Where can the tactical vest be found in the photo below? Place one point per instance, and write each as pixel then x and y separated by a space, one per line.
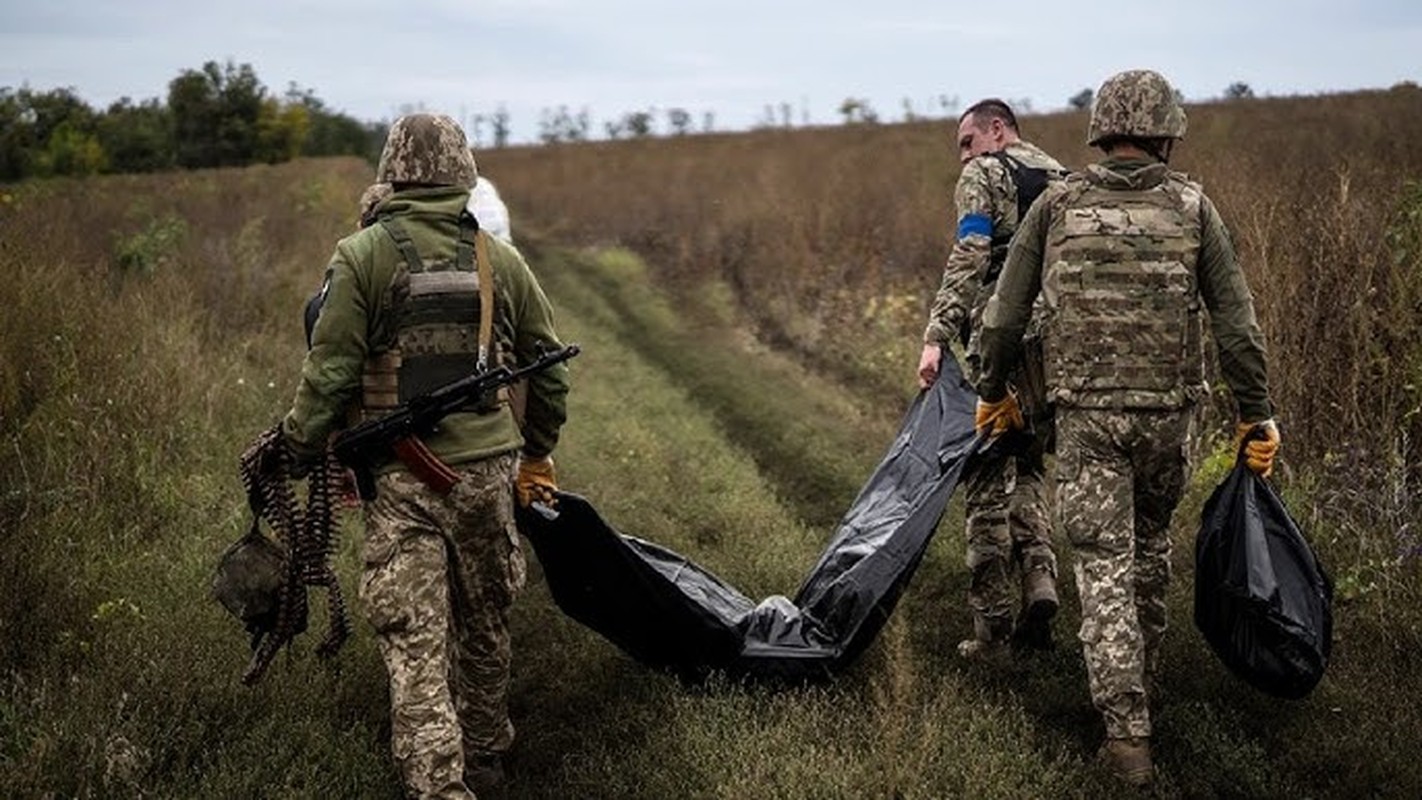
pixel 443 314
pixel 1121 289
pixel 1029 182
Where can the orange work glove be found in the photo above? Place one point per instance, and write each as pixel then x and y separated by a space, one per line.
pixel 1002 415
pixel 536 481
pixel 1259 452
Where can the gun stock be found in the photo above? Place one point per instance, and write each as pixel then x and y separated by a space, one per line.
pixel 425 465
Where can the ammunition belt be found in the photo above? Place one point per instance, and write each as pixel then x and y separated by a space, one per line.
pixel 305 533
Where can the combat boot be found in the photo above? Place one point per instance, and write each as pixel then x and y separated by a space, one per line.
pixel 980 650
pixel 1039 606
pixel 1129 760
pixel 484 775
pixel 1039 595
pixel 989 641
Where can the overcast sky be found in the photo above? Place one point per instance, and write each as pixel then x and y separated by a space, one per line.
pixel 731 57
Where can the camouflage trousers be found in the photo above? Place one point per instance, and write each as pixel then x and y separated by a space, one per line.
pixel 1119 477
pixel 1009 533
pixel 440 574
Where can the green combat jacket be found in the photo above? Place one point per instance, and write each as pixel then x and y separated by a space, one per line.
pixel 1219 280
pixel 356 322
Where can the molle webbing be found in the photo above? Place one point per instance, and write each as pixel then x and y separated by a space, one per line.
pixel 1125 327
pixel 380 383
pixel 444 321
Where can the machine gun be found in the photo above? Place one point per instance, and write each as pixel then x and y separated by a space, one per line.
pixel 398 433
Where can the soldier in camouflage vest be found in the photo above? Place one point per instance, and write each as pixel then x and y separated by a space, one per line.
pixel 417 297
pixel 1008 527
pixel 1125 255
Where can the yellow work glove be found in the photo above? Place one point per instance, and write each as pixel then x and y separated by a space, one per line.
pixel 1001 416
pixel 1258 452
pixel 536 481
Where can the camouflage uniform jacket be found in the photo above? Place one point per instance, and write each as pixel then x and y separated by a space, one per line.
pixel 356 322
pixel 1219 281
pixel 986 200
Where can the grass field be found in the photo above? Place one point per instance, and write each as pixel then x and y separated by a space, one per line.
pixel 152 329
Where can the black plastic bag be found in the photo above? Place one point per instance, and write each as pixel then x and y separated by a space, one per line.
pixel 669 613
pixel 1262 600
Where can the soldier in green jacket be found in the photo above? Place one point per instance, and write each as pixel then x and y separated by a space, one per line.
pixel 1124 256
pixel 403 305
pixel 1008 528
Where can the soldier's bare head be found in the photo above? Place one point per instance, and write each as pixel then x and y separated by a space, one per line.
pixel 987 126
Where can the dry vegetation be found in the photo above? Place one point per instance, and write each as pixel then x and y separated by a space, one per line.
pixel 833 240
pixel 738 382
pixel 822 232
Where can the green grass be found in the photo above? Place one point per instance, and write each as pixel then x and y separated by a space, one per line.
pixel 119 677
pixel 812 440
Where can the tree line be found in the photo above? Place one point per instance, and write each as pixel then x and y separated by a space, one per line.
pixel 220 115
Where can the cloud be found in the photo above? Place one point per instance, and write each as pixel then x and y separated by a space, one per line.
pixel 732 57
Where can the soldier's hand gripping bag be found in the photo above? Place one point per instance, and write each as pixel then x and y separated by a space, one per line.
pixel 1262 600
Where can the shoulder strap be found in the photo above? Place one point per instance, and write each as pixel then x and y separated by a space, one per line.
pixel 1029 182
pixel 486 295
pixel 472 247
pixel 403 241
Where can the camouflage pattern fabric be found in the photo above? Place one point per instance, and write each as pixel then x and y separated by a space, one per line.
pixel 1009 534
pixel 441 572
pixel 1122 435
pixel 1217 278
pixel 1138 103
pixel 1007 527
pixel 1119 476
pixel 984 189
pixel 427 149
pixel 1123 327
pixel 357 324
pixel 370 201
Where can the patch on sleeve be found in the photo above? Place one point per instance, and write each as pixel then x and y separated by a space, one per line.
pixel 974 224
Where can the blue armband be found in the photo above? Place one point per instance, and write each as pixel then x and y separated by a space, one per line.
pixel 971 224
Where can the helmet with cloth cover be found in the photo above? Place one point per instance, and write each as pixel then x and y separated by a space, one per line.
pixel 248 580
pixel 1138 103
pixel 428 149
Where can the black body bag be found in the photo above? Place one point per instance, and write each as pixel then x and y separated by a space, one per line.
pixel 1262 600
pixel 669 613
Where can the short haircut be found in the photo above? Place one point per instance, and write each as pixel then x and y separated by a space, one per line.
pixel 990 109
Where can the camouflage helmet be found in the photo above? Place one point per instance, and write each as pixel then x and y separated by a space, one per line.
pixel 248 580
pixel 1139 103
pixel 426 148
